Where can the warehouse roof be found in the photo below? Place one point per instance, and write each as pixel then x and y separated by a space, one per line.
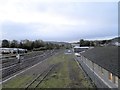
pixel 106 57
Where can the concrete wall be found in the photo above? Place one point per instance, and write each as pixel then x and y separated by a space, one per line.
pixel 94 72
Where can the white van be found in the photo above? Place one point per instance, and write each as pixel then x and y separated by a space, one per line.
pixel 77 54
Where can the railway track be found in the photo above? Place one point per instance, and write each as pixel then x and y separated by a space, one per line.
pixel 5 65
pixel 38 80
pixel 26 58
pixel 11 69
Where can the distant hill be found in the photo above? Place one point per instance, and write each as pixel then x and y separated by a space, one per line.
pixel 117 39
pixel 59 43
pixel 65 44
pixel 54 42
pixel 111 42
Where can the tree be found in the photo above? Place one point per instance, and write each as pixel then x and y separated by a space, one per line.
pixel 103 42
pixel 39 43
pixel 5 43
pixel 49 46
pixel 32 45
pixel 36 44
pixel 27 44
pixel 20 45
pixel 14 44
pixel 82 42
pixel 85 42
pixel 92 43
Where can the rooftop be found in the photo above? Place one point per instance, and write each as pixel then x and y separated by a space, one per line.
pixel 106 57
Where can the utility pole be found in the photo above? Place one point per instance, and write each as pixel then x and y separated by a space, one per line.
pixel 18 55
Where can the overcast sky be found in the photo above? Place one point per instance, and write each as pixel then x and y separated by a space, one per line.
pixel 68 20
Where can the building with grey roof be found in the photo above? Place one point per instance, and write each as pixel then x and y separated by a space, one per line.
pixel 101 65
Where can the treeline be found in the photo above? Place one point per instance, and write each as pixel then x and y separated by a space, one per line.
pixel 30 45
pixel 93 43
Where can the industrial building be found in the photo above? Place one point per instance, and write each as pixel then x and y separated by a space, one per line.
pixel 101 65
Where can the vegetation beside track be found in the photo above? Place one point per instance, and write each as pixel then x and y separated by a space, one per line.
pixel 66 75
pixel 18 82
